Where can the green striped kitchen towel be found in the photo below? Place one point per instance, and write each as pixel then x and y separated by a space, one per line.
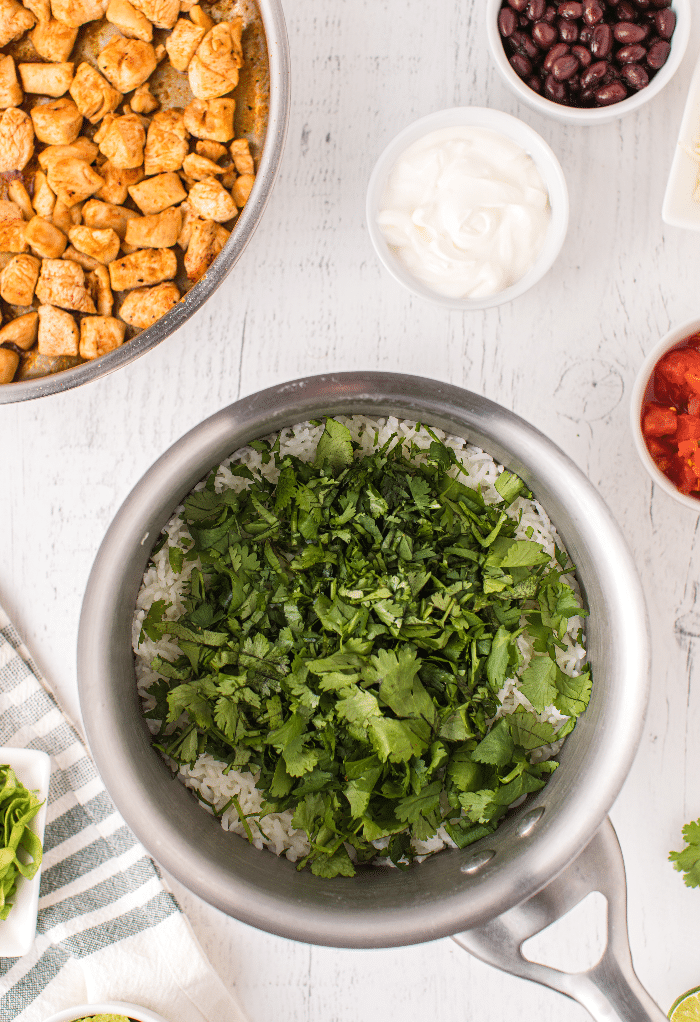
pixel 107 928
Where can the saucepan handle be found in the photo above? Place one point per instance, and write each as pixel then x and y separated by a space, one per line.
pixel 610 990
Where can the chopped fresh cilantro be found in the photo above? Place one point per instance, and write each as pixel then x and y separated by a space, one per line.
pixel 688 860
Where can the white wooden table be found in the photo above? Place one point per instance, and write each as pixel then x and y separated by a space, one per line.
pixel 309 296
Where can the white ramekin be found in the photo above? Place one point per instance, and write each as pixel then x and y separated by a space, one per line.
pixel 671 340
pixel 596 115
pixel 107 1008
pixel 508 126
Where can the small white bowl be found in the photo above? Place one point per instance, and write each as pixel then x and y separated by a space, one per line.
pixel 594 115
pixel 680 208
pixel 108 1008
pixel 671 340
pixel 510 127
pixel 17 932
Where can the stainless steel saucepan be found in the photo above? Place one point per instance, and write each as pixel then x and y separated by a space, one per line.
pixel 492 896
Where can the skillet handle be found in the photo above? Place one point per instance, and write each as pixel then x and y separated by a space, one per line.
pixel 610 991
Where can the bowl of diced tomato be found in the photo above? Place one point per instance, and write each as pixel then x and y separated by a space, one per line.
pixel 665 413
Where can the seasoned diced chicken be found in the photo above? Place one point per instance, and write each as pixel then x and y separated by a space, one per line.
pixel 45 238
pixel 141 308
pixel 21 331
pixel 48 79
pixel 142 102
pixel 16 140
pixel 123 142
pixel 78 12
pixel 15 20
pixel 198 167
pixel 53 40
pixel 186 5
pixel 73 180
pixel 213 71
pixel 58 122
pixel 166 144
pixel 12 236
pixel 211 201
pixel 64 217
pixel 58 332
pixel 143 268
pixel 127 63
pixel 161 13
pixel 9 211
pixel 18 279
pixel 100 291
pixel 100 334
pixel 242 189
pixel 82 149
pixel 10 91
pixel 130 21
pixel 9 360
pixel 211 119
pixel 213 151
pixel 102 245
pixel 62 283
pixel 41 9
pixel 157 193
pixel 188 218
pixel 18 194
pixel 182 43
pixel 158 231
pixel 87 262
pixel 240 154
pixel 93 95
pixel 201 18
pixel 117 182
pixel 105 214
pixel 206 242
pixel 44 199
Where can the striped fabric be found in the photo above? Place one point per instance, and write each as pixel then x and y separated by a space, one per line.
pixel 107 928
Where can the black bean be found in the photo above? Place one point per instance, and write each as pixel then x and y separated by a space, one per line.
pixel 507 21
pixel 657 54
pixel 568 31
pixel 635 76
pixel 665 23
pixel 606 95
pixel 556 51
pixel 564 67
pixel 628 32
pixel 583 55
pixel 521 65
pixel 592 12
pixel 571 10
pixel 554 90
pixel 544 35
pixel 630 54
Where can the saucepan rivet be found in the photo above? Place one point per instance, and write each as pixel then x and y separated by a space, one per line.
pixel 527 824
pixel 477 861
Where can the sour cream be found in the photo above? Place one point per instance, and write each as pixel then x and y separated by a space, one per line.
pixel 465 211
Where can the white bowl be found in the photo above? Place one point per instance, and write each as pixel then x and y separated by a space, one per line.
pixel 595 115
pixel 680 208
pixel 17 932
pixel 670 340
pixel 108 1008
pixel 508 126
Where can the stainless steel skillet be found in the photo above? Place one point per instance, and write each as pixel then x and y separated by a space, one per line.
pixel 545 857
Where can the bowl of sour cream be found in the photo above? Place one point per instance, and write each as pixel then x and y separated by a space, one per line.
pixel 467 207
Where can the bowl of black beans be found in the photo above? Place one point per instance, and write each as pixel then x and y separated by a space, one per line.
pixel 587 61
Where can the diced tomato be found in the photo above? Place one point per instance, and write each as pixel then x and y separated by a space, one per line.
pixel 693 342
pixel 688 428
pixel 694 405
pixel 695 464
pixel 658 421
pixel 675 364
pixel 692 379
pixel 687 447
pixel 682 475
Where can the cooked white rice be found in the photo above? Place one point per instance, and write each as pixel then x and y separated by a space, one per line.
pixel 160 582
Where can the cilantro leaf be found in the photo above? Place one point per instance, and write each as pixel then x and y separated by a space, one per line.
pixel 334 447
pixel 688 859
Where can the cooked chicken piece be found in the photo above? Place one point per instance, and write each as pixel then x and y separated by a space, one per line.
pixel 12 236
pixel 157 193
pixel 130 21
pixel 16 140
pixel 142 307
pixel 198 167
pixel 117 182
pixel 41 9
pixel 15 20
pixel 57 123
pixel 10 91
pixel 213 151
pixel 161 13
pixel 102 245
pixel 20 196
pixel 242 189
pixel 182 43
pixel 18 280
pixel 103 215
pixel 44 199
pixel 87 262
pixel 73 180
pixel 58 332
pixel 21 331
pixel 100 334
pixel 201 18
pixel 127 63
pixel 100 291
pixel 211 201
pixel 206 242
pixel 81 149
pixel 93 95
pixel 53 40
pixel 188 218
pixel 64 217
pixel 213 71
pixel 158 231
pixel 148 266
pixel 45 238
pixel 142 102
pixel 62 283
pixel 211 119
pixel 166 144
pixel 9 360
pixel 240 154
pixel 9 211
pixel 123 142
pixel 78 12
pixel 186 5
pixel 48 79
